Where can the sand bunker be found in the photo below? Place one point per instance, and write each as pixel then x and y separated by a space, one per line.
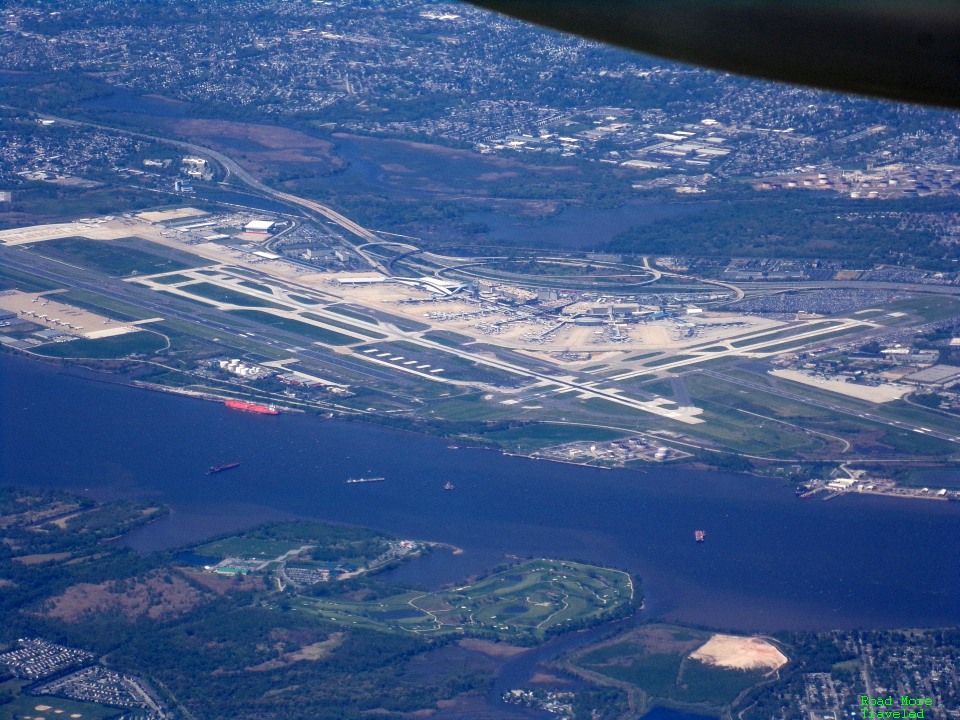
pixel 742 653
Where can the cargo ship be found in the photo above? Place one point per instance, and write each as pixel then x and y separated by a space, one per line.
pixel 353 481
pixel 221 468
pixel 699 535
pixel 252 407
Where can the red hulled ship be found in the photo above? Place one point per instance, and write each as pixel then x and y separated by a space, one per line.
pixel 251 407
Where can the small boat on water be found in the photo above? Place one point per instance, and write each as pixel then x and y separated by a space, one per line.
pixel 354 481
pixel 220 468
pixel 448 485
pixel 699 535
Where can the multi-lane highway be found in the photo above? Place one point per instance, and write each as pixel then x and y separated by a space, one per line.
pixel 364 367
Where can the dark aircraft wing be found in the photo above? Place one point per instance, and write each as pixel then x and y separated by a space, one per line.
pixel 898 49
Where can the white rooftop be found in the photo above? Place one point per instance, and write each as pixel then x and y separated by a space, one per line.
pixel 259 225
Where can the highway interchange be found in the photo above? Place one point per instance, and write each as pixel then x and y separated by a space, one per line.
pixel 361 368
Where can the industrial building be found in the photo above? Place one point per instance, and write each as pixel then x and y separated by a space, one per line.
pixel 936 376
pixel 259 227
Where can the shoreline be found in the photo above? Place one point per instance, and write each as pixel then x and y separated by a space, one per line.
pixel 118 377
pixel 810 494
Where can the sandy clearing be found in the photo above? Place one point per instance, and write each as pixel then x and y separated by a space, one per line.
pixel 742 653
pixel 57 231
pixel 319 649
pixel 110 332
pixel 880 394
pixel 316 651
pixel 62 522
pixel 158 216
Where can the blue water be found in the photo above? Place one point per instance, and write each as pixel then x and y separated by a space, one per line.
pixel 770 561
pixel 665 714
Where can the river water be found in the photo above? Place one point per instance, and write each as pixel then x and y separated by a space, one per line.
pixel 770 561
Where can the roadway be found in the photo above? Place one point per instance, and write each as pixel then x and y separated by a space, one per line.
pixel 369 238
pixel 80 279
pixel 231 167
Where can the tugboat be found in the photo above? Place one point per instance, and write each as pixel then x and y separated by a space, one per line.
pixel 699 535
pixel 220 468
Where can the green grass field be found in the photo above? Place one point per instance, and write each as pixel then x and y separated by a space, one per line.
pixel 714 685
pixel 654 659
pixel 340 310
pixel 259 548
pixel 306 300
pixel 740 432
pixel 528 601
pixel 451 366
pixel 119 346
pixel 705 387
pixel 448 338
pixel 118 258
pixel 115 309
pixel 380 316
pixel 795 344
pixel 226 295
pixel 814 418
pixel 343 325
pixel 541 435
pixel 927 308
pixel 171 279
pixel 185 298
pixel 256 286
pixel 13 279
pixel 788 333
pixel 468 407
pixel 328 337
pixel 656 674
pixel 26 706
